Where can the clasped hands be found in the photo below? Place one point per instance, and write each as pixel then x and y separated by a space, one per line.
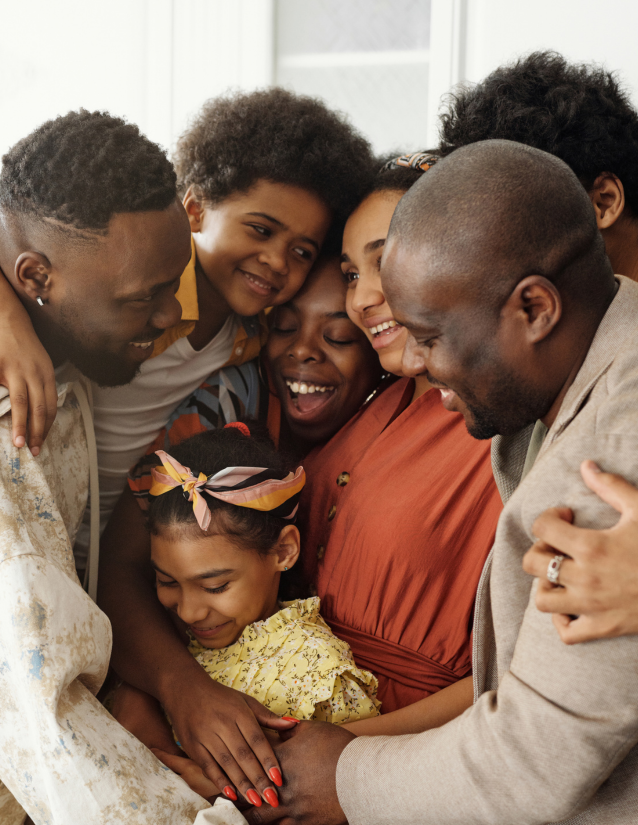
pixel 227 745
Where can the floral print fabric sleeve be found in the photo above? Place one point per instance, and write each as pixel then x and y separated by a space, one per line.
pixel 62 755
pixel 294 665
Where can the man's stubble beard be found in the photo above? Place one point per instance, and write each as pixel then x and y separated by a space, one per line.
pixel 105 368
pixel 511 406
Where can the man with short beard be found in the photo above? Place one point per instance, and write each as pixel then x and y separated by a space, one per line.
pixel 495 266
pixel 93 240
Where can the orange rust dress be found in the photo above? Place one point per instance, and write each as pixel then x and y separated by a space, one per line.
pixel 397 518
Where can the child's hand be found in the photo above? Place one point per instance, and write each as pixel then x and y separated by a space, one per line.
pixel 27 372
pixel 190 772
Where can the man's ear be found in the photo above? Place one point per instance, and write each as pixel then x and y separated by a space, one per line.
pixel 288 547
pixel 608 198
pixel 194 209
pixel 536 303
pixel 33 275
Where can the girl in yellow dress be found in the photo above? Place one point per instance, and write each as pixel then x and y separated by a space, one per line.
pixel 223 544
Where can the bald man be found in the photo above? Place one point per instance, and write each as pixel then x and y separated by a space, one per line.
pixel 496 267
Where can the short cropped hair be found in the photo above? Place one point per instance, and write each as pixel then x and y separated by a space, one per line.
pixel 580 113
pixel 274 135
pixel 83 168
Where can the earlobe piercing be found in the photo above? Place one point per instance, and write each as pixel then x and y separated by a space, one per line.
pixel 40 301
pixel 285 568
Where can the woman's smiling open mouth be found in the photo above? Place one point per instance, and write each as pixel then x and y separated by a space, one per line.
pixel 383 332
pixel 308 397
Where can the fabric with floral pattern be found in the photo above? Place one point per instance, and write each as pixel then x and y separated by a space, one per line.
pixel 294 665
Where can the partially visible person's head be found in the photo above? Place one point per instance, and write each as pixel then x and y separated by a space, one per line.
pixel 363 241
pixel 580 113
pixel 501 280
pixel 94 240
pixel 266 176
pixel 221 579
pixel 322 366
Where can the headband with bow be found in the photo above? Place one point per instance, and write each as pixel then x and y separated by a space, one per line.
pixel 257 488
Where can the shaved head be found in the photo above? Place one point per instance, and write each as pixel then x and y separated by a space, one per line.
pixel 495 265
pixel 497 211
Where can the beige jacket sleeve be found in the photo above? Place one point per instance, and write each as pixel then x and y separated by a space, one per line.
pixel 550 743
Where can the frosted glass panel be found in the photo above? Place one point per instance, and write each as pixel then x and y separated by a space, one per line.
pixel 367 58
pixel 383 102
pixel 352 25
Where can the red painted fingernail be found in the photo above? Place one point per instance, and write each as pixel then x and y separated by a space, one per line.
pixel 230 793
pixel 275 775
pixel 254 798
pixel 290 719
pixel 271 797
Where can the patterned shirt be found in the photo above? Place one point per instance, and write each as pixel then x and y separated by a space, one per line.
pixel 295 666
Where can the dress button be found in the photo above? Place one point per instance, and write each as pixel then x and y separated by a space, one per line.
pixel 333 512
pixel 312 590
pixel 320 551
pixel 239 350
pixel 343 479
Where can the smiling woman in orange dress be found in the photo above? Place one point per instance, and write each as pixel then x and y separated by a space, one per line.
pixel 400 509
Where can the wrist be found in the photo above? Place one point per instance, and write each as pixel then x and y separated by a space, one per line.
pixel 181 678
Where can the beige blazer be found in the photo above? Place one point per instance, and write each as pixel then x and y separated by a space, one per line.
pixel 552 736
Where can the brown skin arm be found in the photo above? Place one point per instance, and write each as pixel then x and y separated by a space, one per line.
pixel 142 715
pixel 432 712
pixel 218 727
pixel 26 371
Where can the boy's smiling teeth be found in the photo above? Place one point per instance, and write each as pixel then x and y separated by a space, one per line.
pixel 257 281
pixel 143 345
pixel 302 387
pixel 383 326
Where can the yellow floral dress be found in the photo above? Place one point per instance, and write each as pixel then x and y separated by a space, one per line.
pixel 295 666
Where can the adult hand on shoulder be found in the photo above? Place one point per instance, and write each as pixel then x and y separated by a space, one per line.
pixel 27 372
pixel 597 592
pixel 309 757
pixel 221 729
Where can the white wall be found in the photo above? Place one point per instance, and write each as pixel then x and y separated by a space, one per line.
pixel 488 33
pixel 151 61
pixel 155 61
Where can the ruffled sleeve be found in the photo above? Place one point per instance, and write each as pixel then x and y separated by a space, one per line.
pixel 295 666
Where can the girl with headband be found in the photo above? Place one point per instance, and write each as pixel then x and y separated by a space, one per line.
pixel 223 544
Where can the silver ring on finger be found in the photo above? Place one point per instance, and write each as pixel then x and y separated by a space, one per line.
pixel 553 568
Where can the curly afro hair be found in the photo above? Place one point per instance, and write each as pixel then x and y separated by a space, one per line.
pixel 83 168
pixel 579 113
pixel 279 136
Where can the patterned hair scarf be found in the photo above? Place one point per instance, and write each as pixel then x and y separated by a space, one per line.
pixel 257 488
pixel 420 161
